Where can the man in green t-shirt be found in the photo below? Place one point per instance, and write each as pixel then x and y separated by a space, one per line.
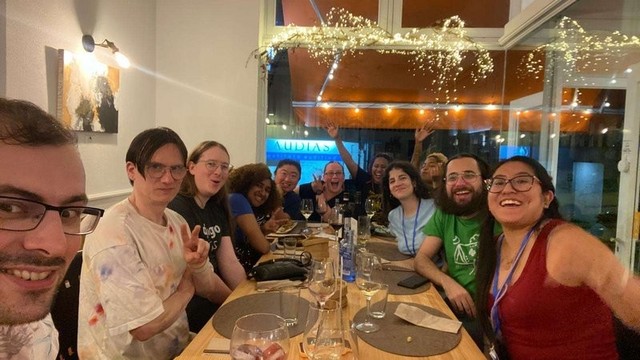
pixel 456 227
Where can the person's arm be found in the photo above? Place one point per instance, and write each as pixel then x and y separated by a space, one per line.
pixel 420 134
pixel 424 265
pixel 249 226
pixel 574 257
pixel 173 306
pixel 230 268
pixel 334 132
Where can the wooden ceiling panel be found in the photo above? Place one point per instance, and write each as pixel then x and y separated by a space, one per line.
pixel 301 13
pixel 476 14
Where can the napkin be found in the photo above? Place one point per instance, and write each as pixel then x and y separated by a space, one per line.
pixel 273 285
pixel 217 346
pixel 422 318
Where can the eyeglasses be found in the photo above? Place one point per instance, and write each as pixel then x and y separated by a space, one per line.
pixel 467 176
pixel 520 183
pixel 333 173
pixel 24 215
pixel 213 165
pixel 157 170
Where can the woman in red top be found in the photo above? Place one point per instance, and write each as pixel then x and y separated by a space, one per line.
pixel 546 288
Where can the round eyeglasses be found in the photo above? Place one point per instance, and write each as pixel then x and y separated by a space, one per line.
pixel 157 170
pixel 213 165
pixel 520 183
pixel 467 176
pixel 18 214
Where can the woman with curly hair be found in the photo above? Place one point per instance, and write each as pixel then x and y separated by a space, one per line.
pixel 203 201
pixel 256 211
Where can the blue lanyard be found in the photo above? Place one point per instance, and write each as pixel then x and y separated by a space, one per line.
pixel 415 226
pixel 499 293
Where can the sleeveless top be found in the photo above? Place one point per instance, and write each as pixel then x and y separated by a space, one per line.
pixel 542 319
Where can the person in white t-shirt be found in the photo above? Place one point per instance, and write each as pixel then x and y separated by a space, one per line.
pixel 142 265
pixel 42 208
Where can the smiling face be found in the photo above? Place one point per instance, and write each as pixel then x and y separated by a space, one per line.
pixel 517 208
pixel 462 191
pixel 333 178
pixel 157 192
pixel 209 182
pixel 259 193
pixel 33 263
pixel 377 169
pixel 401 186
pixel 287 177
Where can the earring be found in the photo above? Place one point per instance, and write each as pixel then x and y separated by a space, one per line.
pixel 546 205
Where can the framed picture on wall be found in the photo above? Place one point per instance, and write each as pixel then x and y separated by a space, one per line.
pixel 87 93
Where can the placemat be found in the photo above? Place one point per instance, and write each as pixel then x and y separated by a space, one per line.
pixel 225 317
pixel 386 250
pixel 391 278
pixel 403 338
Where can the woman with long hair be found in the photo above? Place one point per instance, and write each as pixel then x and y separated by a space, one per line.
pixel 256 208
pixel 546 288
pixel 406 199
pixel 203 201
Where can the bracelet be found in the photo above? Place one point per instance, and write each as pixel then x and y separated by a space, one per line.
pixel 201 268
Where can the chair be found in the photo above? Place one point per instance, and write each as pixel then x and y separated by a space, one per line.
pixel 627 341
pixel 65 310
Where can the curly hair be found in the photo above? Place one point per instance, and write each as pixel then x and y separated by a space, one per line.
pixel 243 178
pixel 420 189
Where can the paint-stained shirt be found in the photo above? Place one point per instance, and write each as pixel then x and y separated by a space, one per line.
pixel 35 340
pixel 130 266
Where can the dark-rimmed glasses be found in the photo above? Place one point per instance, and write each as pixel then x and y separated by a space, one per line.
pixel 467 176
pixel 18 214
pixel 157 170
pixel 520 183
pixel 213 165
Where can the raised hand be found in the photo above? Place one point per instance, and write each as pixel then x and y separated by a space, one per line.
pixel 196 250
pixel 424 131
pixel 332 130
pixel 317 184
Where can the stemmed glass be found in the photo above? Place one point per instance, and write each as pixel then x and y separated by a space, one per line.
pixel 322 280
pixel 306 208
pixel 335 220
pixel 366 265
pixel 259 335
pixel 370 207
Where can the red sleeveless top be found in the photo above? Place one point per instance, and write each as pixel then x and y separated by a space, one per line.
pixel 542 319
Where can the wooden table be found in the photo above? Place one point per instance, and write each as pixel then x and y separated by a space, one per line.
pixel 465 350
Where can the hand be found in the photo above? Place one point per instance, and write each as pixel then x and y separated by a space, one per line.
pixel 196 250
pixel 273 223
pixel 321 204
pixel 424 131
pixel 317 185
pixel 459 298
pixel 332 130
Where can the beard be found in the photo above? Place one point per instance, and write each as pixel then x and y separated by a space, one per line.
pixel 477 203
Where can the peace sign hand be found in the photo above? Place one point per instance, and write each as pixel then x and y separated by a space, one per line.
pixel 196 250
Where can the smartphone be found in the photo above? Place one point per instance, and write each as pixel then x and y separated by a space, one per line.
pixel 413 282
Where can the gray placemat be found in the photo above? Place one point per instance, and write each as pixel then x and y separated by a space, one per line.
pixel 393 334
pixel 225 317
pixel 392 278
pixel 386 250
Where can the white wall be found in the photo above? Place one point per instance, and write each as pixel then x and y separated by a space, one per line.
pixel 206 89
pixel 188 72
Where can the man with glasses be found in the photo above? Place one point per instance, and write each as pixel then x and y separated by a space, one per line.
pixel 286 178
pixel 142 265
pixel 455 226
pixel 42 219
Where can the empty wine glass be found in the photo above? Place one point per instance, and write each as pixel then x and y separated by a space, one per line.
pixel 259 336
pixel 370 206
pixel 366 263
pixel 322 280
pixel 306 208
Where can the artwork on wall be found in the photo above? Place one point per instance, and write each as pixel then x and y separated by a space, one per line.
pixel 87 93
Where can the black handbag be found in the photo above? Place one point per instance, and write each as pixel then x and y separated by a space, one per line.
pixel 279 269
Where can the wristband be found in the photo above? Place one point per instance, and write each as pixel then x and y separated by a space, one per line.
pixel 201 268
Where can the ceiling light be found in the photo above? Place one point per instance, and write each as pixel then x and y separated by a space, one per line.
pixel 388 109
pixel 330 76
pixel 604 131
pixel 284 127
pixel 574 104
pixel 607 104
pixel 628 70
pixel 552 135
pixel 613 81
pixel 356 110
pixel 267 120
pixel 319 98
pixel 491 107
pixel 326 105
pixel 335 65
pixel 89 45
pixel 421 111
pixel 522 136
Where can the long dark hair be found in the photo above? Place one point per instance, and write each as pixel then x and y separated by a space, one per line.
pixel 419 188
pixel 487 253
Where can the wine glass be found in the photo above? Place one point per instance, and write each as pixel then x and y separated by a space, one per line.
pixel 335 220
pixel 306 208
pixel 365 267
pixel 259 336
pixel 370 207
pixel 322 280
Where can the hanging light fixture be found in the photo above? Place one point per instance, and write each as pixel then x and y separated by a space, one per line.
pixel 89 45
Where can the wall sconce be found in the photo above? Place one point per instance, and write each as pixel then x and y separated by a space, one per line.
pixel 89 45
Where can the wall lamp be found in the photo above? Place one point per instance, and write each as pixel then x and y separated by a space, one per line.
pixel 89 45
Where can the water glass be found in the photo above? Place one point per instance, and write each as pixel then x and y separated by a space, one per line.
pixel 364 231
pixel 259 336
pixel 379 302
pixel 290 244
pixel 323 336
pixel 289 304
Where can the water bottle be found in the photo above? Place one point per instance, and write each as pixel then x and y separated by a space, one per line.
pixel 347 252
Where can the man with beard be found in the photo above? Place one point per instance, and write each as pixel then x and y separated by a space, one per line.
pixel 456 227
pixel 286 178
pixel 42 220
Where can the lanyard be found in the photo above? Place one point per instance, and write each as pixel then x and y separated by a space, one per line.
pixel 499 293
pixel 415 226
